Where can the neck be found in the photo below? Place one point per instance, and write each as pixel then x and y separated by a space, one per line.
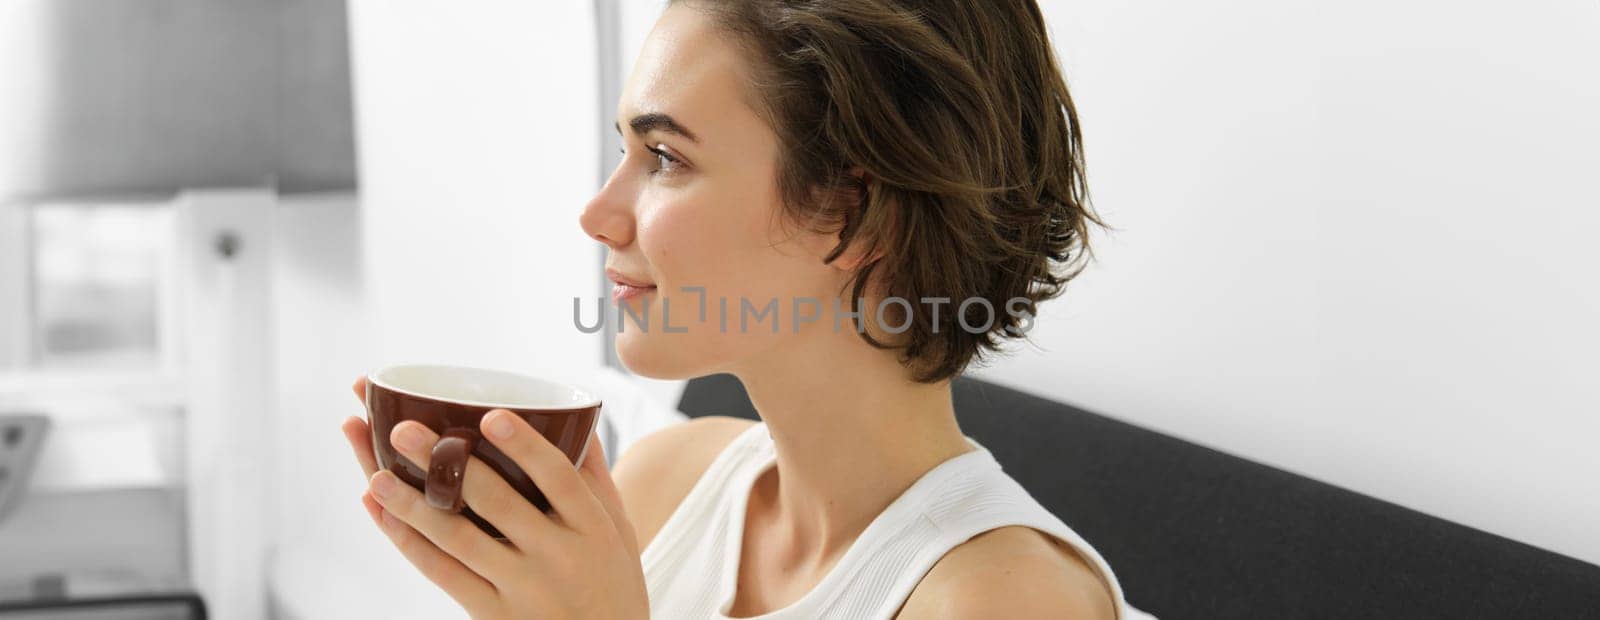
pixel 852 432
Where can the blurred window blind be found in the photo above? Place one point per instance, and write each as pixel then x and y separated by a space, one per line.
pixel 96 282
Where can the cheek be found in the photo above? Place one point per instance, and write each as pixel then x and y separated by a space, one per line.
pixel 704 241
pixel 693 241
pixel 720 242
pixel 677 238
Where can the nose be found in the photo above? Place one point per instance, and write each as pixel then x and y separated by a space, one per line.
pixel 608 218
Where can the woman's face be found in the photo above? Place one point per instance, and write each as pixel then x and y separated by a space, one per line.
pixel 695 203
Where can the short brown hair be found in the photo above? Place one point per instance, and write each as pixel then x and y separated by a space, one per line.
pixel 952 124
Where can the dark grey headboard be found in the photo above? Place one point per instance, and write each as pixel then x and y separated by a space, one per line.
pixel 1196 533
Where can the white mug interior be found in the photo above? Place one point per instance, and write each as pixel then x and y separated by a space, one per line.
pixel 481 387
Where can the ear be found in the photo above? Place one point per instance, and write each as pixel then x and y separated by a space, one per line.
pixel 855 199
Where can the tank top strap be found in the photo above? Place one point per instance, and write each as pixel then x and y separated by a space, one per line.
pixel 749 451
pixel 963 498
pixel 707 506
pixel 691 564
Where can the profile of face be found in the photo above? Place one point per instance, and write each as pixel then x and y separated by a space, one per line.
pixel 695 203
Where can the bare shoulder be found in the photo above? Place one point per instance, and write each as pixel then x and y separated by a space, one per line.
pixel 657 472
pixel 1011 572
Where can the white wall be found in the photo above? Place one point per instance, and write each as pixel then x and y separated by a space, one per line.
pixel 325 558
pixel 1355 243
pixel 477 147
pixel 323 342
pixel 227 368
pixel 476 131
pixel 26 57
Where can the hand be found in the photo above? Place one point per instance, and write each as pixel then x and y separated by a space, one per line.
pixel 581 560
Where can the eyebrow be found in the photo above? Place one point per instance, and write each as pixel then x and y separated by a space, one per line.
pixel 656 121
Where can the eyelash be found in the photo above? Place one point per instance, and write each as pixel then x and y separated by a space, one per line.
pixel 661 154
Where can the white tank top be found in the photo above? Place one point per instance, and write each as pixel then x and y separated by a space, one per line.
pixel 692 565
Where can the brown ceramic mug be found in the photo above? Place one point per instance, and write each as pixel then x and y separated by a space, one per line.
pixel 451 400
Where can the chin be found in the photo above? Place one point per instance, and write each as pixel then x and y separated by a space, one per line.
pixel 665 357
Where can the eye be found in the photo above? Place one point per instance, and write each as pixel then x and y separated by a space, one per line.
pixel 665 160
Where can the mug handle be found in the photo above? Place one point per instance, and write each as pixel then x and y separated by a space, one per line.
pixel 446 468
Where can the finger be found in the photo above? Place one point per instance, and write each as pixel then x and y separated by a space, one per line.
pixel 485 491
pixel 463 585
pixel 594 471
pixel 360 388
pixel 360 438
pixel 373 509
pixel 549 467
pixel 450 532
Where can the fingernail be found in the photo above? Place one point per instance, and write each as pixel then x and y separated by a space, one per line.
pixel 407 438
pixel 499 426
pixel 382 484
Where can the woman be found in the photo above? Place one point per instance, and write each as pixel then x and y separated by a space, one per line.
pixel 883 188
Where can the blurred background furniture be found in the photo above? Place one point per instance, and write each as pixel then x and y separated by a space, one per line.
pixel 1196 533
pixel 21 434
pixel 97 530
pixel 185 606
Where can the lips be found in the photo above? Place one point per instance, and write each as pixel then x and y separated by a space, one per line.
pixel 623 292
pixel 620 278
pixel 626 287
